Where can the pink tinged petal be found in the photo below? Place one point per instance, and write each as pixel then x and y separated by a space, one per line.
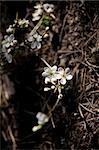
pixel 69 77
pixel 61 70
pixel 63 81
pixel 47 80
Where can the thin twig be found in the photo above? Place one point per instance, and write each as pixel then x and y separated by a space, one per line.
pixel 86 109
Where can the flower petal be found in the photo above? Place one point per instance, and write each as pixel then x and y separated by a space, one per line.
pixel 61 70
pixel 54 68
pixel 47 80
pixel 33 45
pixel 38 45
pixel 44 74
pixel 67 70
pixel 63 81
pixel 46 89
pixel 46 68
pixel 58 76
pixel 69 77
pixel 30 38
pixel 35 128
pixel 42 118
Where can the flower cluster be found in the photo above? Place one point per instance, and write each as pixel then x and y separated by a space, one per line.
pixel 22 23
pixel 42 119
pixel 55 74
pixel 35 40
pixel 48 8
pixel 7 45
pixel 57 77
pixel 18 23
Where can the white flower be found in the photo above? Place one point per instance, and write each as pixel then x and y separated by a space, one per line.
pixel 50 74
pixel 23 23
pixel 36 41
pixel 38 12
pixel 42 118
pixel 49 8
pixel 8 41
pixel 64 75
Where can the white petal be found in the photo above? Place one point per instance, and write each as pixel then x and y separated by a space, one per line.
pixel 33 45
pixel 54 68
pixel 39 38
pixel 67 70
pixel 52 87
pixel 63 81
pixel 35 18
pixel 69 77
pixel 53 79
pixel 44 74
pixel 42 118
pixel 48 7
pixel 38 45
pixel 46 89
pixel 35 128
pixel 47 80
pixel 11 38
pixel 8 57
pixel 35 35
pixel 30 38
pixel 58 76
pixel 61 70
pixel 7 45
pixel 38 6
pixel 46 68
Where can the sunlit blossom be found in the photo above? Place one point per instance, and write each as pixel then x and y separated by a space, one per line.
pixel 64 75
pixel 35 40
pixel 49 8
pixel 50 74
